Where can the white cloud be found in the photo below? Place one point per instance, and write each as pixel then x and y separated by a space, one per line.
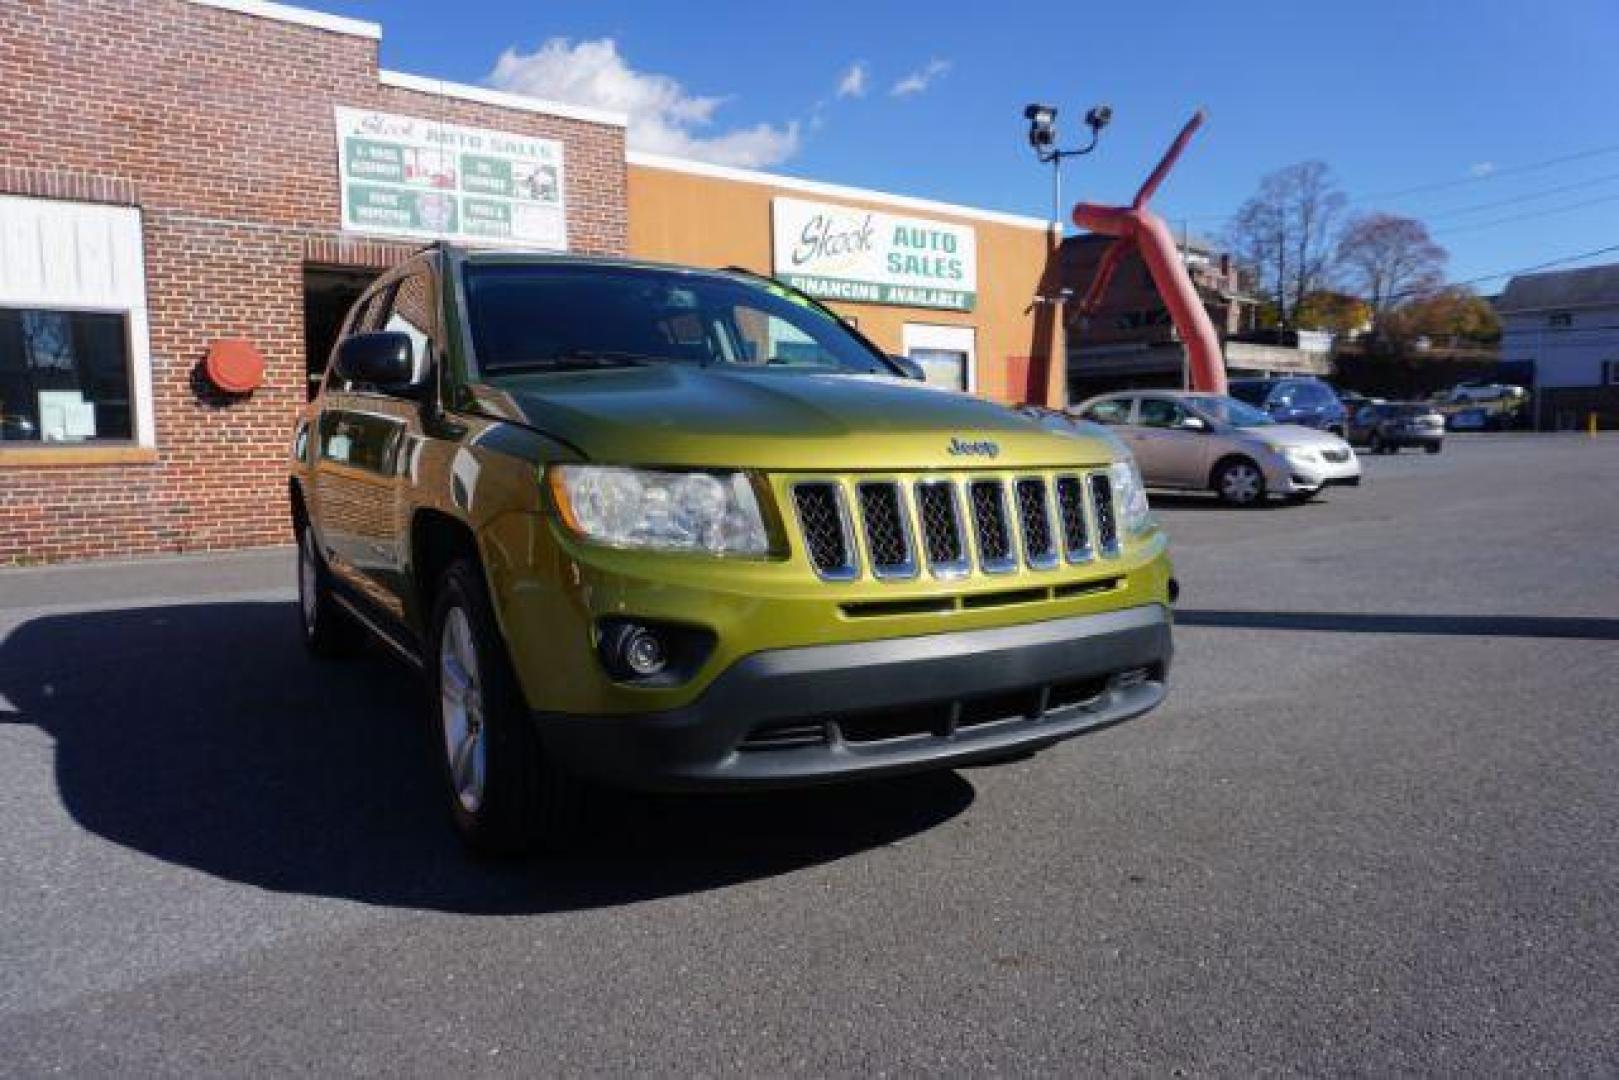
pixel 853 81
pixel 1481 169
pixel 918 81
pixel 663 117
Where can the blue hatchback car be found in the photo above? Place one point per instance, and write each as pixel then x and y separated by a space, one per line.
pixel 1306 402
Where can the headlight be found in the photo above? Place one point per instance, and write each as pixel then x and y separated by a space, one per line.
pixel 710 512
pixel 1300 455
pixel 1131 493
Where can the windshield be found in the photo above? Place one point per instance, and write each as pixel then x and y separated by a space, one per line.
pixel 561 316
pixel 1251 392
pixel 1226 410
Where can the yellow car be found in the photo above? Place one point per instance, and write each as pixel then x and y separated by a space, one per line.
pixel 682 529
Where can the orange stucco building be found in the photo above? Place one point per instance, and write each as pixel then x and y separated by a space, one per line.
pixel 957 288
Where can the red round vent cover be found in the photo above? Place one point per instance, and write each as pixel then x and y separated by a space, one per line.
pixel 234 365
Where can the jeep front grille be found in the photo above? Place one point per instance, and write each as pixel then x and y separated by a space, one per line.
pixel 989 524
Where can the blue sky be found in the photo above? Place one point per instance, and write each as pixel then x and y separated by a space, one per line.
pixel 1393 94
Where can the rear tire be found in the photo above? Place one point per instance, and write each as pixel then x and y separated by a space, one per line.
pixel 328 631
pixel 1239 482
pixel 1434 448
pixel 505 796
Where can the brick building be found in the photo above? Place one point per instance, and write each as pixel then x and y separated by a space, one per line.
pixel 170 181
pixel 186 179
pixel 1130 340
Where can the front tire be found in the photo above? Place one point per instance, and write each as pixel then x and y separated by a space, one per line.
pixel 505 795
pixel 1434 448
pixel 1239 482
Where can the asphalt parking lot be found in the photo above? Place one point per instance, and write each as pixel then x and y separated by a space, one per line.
pixel 1373 831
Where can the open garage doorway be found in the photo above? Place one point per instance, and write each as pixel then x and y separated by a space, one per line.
pixel 329 292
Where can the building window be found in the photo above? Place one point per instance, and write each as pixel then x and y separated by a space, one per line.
pixel 64 376
pixel 75 354
pixel 1560 320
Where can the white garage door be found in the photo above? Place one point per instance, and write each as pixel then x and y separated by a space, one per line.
pixel 75 354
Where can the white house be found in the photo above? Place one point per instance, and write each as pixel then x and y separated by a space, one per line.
pixel 1566 324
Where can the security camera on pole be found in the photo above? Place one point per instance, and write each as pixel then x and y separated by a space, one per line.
pixel 1043 138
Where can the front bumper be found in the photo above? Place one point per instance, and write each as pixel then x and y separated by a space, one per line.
pixel 827 713
pixel 1302 476
pixel 1425 436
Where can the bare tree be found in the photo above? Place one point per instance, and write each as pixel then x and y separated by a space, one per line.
pixel 1387 258
pixel 1288 232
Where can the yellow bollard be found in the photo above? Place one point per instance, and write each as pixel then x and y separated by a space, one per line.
pixel 1591 423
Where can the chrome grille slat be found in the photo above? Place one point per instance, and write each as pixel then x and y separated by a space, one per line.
pixel 1076 538
pixel 944 541
pixel 1107 526
pixel 823 520
pixel 887 525
pixel 1035 522
pixel 992 526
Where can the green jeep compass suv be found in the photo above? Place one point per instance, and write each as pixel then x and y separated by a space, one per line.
pixel 684 529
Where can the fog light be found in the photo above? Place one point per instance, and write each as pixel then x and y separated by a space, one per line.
pixel 642 651
pixel 651 653
pixel 635 650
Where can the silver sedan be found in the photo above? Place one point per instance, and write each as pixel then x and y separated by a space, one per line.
pixel 1197 441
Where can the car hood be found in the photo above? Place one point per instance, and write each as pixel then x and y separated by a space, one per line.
pixel 1282 435
pixel 779 420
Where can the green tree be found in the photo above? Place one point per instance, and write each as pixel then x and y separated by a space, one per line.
pixel 1455 316
pixel 1338 312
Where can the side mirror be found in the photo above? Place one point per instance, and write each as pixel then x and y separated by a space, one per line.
pixel 908 367
pixel 385 360
pixel 1193 423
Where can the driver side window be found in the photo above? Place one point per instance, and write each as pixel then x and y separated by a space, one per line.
pixel 1161 413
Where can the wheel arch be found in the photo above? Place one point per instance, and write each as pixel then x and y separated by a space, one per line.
pixel 437 539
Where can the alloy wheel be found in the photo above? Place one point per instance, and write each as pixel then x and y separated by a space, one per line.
pixel 461 711
pixel 308 582
pixel 1241 483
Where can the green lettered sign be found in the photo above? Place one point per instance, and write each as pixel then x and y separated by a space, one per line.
pixel 836 252
pixel 408 176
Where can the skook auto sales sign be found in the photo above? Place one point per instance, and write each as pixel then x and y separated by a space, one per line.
pixel 407 176
pixel 845 253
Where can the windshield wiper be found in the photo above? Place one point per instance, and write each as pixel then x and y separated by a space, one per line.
pixel 577 360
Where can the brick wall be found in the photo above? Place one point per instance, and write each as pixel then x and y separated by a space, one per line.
pixel 218 125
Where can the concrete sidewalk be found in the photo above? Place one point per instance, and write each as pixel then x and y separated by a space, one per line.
pixel 258 574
